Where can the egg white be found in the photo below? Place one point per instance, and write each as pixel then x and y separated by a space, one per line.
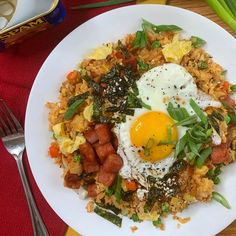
pixel 157 87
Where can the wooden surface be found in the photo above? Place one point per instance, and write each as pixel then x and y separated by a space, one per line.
pixel 202 8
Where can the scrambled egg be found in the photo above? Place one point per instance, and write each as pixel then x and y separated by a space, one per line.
pixel 66 144
pixel 101 52
pixel 88 112
pixel 174 51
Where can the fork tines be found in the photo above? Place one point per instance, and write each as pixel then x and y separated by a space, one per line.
pixel 8 122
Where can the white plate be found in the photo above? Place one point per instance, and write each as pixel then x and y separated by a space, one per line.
pixel 206 219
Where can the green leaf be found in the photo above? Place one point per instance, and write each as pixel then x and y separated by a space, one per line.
pixel 150 144
pixel 197 42
pixel 221 199
pixel 203 157
pixel 181 145
pixel 233 88
pixel 156 44
pixel 146 25
pixel 198 111
pixel 140 40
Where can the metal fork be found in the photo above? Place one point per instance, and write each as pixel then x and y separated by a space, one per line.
pixel 12 135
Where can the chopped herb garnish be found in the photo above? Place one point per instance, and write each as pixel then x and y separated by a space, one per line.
pixel 202 65
pixel 177 113
pixel 143 66
pixel 109 191
pixel 118 188
pixel 165 207
pixel 156 44
pixel 140 40
pixel 180 145
pixel 227 119
pixel 187 121
pixel 221 199
pixel 233 88
pixel 77 158
pixel 203 157
pixel 135 217
pixel 73 108
pixel 150 144
pixel 157 222
pixel 197 42
pixel 198 111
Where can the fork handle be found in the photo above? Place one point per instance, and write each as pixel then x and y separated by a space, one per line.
pixel 39 228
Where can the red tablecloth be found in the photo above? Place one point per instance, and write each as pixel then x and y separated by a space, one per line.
pixel 18 68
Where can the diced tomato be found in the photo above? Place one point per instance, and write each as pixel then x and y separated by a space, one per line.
pixel 219 154
pixel 226 85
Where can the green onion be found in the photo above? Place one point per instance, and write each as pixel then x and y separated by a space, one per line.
pixel 143 66
pixel 227 119
pixel 187 121
pixel 157 222
pixel 118 188
pixel 232 6
pixel 156 44
pixel 223 3
pixel 108 216
pixel 219 198
pixel 197 42
pixel 109 191
pixel 135 217
pixel 202 65
pixel 223 13
pixel 194 148
pixel 233 88
pixel 73 108
pixel 147 149
pixel 77 158
pixel 203 157
pixel 181 145
pixel 165 207
pixel 177 113
pixel 198 111
pixel 169 133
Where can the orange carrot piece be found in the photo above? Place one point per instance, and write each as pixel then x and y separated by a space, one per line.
pixel 54 150
pixel 130 185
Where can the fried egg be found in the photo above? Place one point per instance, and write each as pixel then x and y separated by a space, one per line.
pixel 147 139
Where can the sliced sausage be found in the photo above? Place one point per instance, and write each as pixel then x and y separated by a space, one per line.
pixel 104 150
pixel 106 178
pixel 219 153
pixel 90 167
pixel 113 163
pixel 72 180
pixel 91 136
pixel 92 190
pixel 103 132
pixel 86 150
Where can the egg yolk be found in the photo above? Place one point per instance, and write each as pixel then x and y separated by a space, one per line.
pixel 154 135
